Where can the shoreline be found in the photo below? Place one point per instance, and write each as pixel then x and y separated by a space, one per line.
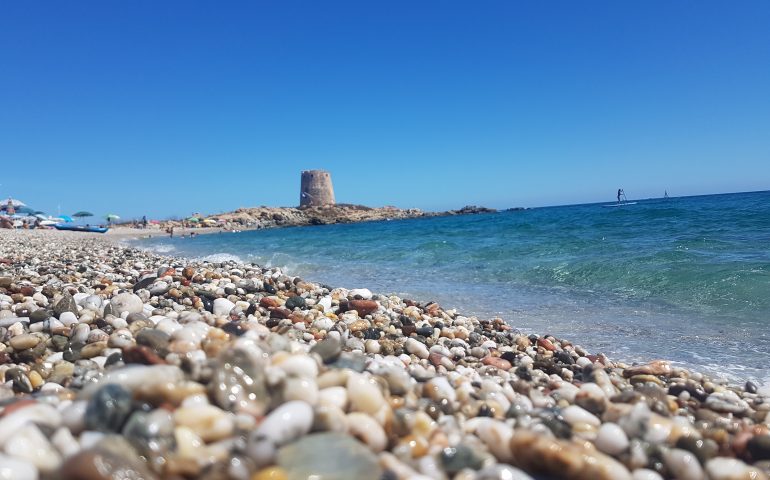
pixel 415 390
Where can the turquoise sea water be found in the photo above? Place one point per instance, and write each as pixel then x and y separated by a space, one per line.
pixel 686 279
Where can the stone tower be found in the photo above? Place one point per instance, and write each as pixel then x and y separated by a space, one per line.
pixel 316 188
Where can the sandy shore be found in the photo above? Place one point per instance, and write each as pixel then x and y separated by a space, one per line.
pixel 120 362
pixel 128 233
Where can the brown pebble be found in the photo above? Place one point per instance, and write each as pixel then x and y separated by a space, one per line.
pixel 363 307
pixel 141 354
pixel 267 302
pixel 280 313
pixel 657 367
pixel 546 344
pixel 497 362
pixel 95 464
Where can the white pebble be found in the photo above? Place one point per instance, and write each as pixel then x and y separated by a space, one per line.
pixel 222 307
pixel 683 465
pixel 364 393
pixel 366 429
pixel 283 425
pixel 16 469
pixel 645 474
pixel 724 468
pixel 611 439
pixel 574 414
pixel 416 347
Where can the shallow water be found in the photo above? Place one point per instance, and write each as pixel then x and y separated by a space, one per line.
pixel 687 279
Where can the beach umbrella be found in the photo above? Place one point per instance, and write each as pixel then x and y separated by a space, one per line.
pixel 25 210
pixel 112 216
pixel 193 219
pixel 65 218
pixel 14 202
pixel 82 214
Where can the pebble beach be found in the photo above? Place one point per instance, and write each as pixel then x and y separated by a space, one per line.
pixel 118 363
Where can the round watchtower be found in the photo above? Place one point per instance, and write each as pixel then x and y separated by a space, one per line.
pixel 316 188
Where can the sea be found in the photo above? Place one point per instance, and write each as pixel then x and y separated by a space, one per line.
pixel 685 279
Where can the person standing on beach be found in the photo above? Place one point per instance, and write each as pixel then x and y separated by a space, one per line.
pixel 144 221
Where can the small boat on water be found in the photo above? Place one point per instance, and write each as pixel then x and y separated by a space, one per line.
pixel 80 228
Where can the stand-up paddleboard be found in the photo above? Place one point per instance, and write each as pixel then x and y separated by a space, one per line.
pixel 620 204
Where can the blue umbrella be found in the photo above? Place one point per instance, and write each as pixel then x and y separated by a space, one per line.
pixel 65 218
pixel 25 210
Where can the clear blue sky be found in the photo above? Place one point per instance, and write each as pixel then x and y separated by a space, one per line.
pixel 170 107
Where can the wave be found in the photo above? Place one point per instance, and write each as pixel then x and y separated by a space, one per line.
pixel 221 258
pixel 161 248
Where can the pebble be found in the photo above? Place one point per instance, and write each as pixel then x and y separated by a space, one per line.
pixel 329 455
pixel 108 409
pixel 13 468
pixel 126 302
pixel 611 439
pixel 222 307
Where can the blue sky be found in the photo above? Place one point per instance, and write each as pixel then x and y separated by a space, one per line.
pixel 165 108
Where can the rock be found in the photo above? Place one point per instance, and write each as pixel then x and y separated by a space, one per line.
pixel 151 433
pixel 39 315
pixel 540 454
pixel 12 468
pixel 208 422
pixel 575 415
pixel 363 293
pixel 328 349
pixel 19 380
pixel 24 341
pixel 329 455
pixel 683 465
pixel 363 307
pixel 126 302
pixel 457 458
pixel 99 464
pixel 222 307
pixel 759 447
pixel 238 382
pixel 722 468
pixel 646 474
pixel 415 347
pixel 295 302
pixel 65 304
pixel 497 362
pixel 29 444
pixel 611 439
pixel 108 409
pixel 727 401
pixel 364 394
pixel 501 472
pixel 157 340
pixel 704 449
pixel 657 367
pixel 283 425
